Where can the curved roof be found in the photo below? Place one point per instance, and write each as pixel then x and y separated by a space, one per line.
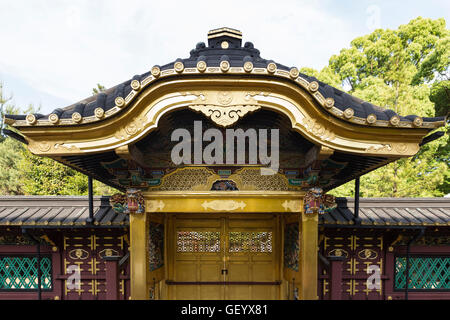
pixel 224 54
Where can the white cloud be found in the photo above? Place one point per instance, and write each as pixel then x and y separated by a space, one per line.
pixel 65 47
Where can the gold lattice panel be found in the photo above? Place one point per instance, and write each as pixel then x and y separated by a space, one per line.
pixel 187 179
pixel 252 179
pixel 250 241
pixel 198 241
pixel 202 179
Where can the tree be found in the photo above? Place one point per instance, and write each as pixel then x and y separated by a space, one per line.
pixel 440 96
pixel 10 153
pixel 10 175
pixel 400 69
pixel 45 176
pixel 98 89
pixel 3 105
pixel 326 75
pixel 415 52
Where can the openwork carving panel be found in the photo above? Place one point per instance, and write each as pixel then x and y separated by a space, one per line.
pixel 253 180
pixel 156 245
pixel 291 246
pixel 185 179
pixel 202 179
pixel 250 241
pixel 198 241
pixel 429 241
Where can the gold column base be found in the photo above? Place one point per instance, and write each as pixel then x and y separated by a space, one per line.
pixel 138 256
pixel 308 256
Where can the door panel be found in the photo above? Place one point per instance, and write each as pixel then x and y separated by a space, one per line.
pixel 251 258
pixel 225 258
pixel 198 258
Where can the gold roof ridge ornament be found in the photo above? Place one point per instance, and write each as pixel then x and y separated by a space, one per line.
pixel 220 32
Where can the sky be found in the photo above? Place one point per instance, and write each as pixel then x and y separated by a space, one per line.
pixel 53 52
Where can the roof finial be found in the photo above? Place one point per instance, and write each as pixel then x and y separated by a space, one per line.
pixel 224 38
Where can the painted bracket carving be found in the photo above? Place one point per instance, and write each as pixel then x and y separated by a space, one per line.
pixel 317 202
pixel 131 202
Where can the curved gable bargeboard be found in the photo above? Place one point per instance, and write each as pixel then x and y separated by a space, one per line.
pixel 235 95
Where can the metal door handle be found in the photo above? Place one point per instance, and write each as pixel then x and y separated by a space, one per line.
pixel 224 271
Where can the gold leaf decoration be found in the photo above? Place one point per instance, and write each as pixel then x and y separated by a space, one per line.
pixel 154 205
pixel 292 205
pixel 224 116
pixel 223 205
pixel 367 254
pixel 318 129
pixel 379 148
pixel 78 254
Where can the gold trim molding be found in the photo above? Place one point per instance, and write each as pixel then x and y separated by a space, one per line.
pixel 223 201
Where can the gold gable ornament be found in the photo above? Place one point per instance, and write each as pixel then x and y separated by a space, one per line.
pixel 225 116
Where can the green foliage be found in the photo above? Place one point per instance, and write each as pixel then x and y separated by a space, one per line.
pixel 43 176
pixel 415 52
pixel 390 68
pixel 326 75
pixel 10 175
pixel 24 173
pixel 3 106
pixel 440 96
pixel 435 65
pixel 98 89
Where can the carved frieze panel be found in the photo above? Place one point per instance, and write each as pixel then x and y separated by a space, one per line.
pixel 291 246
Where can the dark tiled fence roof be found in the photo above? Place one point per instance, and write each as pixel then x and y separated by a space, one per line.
pixel 391 211
pixel 57 210
pixel 74 211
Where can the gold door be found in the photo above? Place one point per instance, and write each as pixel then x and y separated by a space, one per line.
pixel 224 257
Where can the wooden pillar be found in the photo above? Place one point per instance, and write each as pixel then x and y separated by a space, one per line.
pixel 138 256
pixel 336 277
pixel 309 234
pixel 112 277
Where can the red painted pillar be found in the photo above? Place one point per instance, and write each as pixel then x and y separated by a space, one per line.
pixel 336 277
pixel 112 277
